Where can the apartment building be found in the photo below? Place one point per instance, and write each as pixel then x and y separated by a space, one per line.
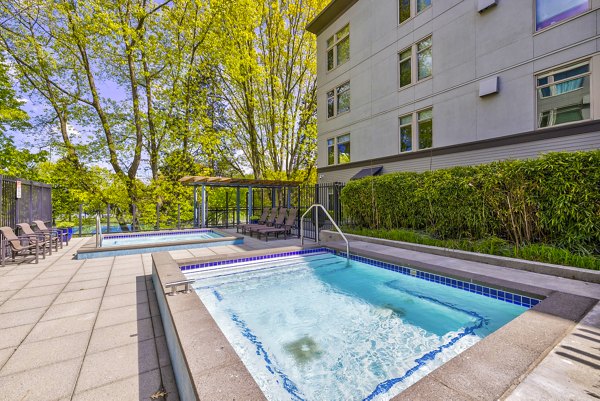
pixel 414 85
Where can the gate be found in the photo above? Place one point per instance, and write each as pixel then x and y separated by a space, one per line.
pixel 23 201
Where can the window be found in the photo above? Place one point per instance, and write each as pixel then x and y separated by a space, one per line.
pixel 404 9
pixel 343 149
pixel 406 133
pixel 420 123
pixel 420 51
pixel 549 12
pixel 422 5
pixel 338 150
pixel 338 100
pixel 338 48
pixel 424 57
pixel 563 95
pixel 406 68
pixel 408 8
pixel 425 128
pixel 330 152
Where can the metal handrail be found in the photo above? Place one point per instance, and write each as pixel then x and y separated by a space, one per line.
pixel 98 232
pixel 318 205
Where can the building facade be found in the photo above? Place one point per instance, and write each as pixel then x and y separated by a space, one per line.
pixel 414 85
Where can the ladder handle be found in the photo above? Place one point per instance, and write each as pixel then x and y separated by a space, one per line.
pixel 318 205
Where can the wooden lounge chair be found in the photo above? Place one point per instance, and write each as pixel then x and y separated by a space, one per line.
pixel 278 222
pixel 45 240
pixel 17 246
pixel 284 229
pixel 270 218
pixel 63 235
pixel 262 220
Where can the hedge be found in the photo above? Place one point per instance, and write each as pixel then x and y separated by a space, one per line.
pixel 554 199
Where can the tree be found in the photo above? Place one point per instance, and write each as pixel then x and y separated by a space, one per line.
pixel 267 77
pixel 11 114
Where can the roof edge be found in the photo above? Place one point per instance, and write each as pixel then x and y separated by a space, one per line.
pixel 329 15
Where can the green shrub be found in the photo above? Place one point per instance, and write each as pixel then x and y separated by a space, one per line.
pixel 554 199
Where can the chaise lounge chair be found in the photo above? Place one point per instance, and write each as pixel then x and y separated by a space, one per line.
pixel 17 246
pixel 278 222
pixel 284 229
pixel 45 240
pixel 63 235
pixel 262 220
pixel 268 218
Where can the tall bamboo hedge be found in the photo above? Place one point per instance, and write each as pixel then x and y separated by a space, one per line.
pixel 554 199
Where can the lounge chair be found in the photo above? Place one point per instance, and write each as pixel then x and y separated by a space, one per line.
pixel 17 246
pixel 262 220
pixel 285 229
pixel 270 217
pixel 278 222
pixel 45 240
pixel 63 235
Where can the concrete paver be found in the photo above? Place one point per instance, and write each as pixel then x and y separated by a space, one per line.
pixel 84 325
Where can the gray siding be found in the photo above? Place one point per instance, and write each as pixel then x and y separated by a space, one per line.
pixel 467 47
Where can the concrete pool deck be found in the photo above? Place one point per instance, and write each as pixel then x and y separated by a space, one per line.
pixel 90 329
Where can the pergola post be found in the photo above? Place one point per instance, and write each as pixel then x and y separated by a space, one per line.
pixel 289 197
pixel 237 205
pixel 195 206
pixel 250 201
pixel 273 197
pixel 203 206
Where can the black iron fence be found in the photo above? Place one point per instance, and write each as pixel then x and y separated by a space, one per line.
pixel 224 210
pixel 22 201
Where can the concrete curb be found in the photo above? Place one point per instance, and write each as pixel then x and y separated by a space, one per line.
pixel 592 276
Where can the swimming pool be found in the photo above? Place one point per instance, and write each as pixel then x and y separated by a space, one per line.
pixel 313 327
pixel 135 239
pixel 157 241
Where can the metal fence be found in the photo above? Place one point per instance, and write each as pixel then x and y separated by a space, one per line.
pixel 222 211
pixel 22 201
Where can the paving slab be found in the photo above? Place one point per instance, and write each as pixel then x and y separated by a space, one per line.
pixel 119 335
pixel 116 364
pixel 41 384
pixel 81 295
pixel 21 317
pixel 15 305
pixel 62 327
pixel 46 352
pixel 38 291
pixel 127 299
pixel 132 313
pixel 12 336
pixel 135 387
pixel 72 309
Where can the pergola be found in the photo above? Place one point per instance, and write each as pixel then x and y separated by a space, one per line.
pixel 238 183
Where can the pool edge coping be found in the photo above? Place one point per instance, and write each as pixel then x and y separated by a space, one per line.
pixel 560 311
pixel 90 248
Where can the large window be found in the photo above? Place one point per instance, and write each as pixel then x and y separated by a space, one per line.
pixel 563 95
pixel 338 100
pixel 548 12
pixel 330 152
pixel 343 149
pixel 419 123
pixel 338 150
pixel 425 128
pixel 408 8
pixel 423 68
pixel 406 133
pixel 338 48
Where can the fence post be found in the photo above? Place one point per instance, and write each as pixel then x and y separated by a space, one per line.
pixel 31 201
pixel 133 216
pixel 107 219
pixel 157 216
pixel 227 208
pixel 336 202
pixel 237 205
pixel 179 216
pixel 80 219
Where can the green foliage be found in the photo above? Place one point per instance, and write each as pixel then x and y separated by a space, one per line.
pixel 19 163
pixel 554 200
pixel 11 114
pixel 490 246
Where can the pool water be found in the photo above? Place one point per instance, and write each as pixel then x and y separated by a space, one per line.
pixel 317 328
pixel 159 238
